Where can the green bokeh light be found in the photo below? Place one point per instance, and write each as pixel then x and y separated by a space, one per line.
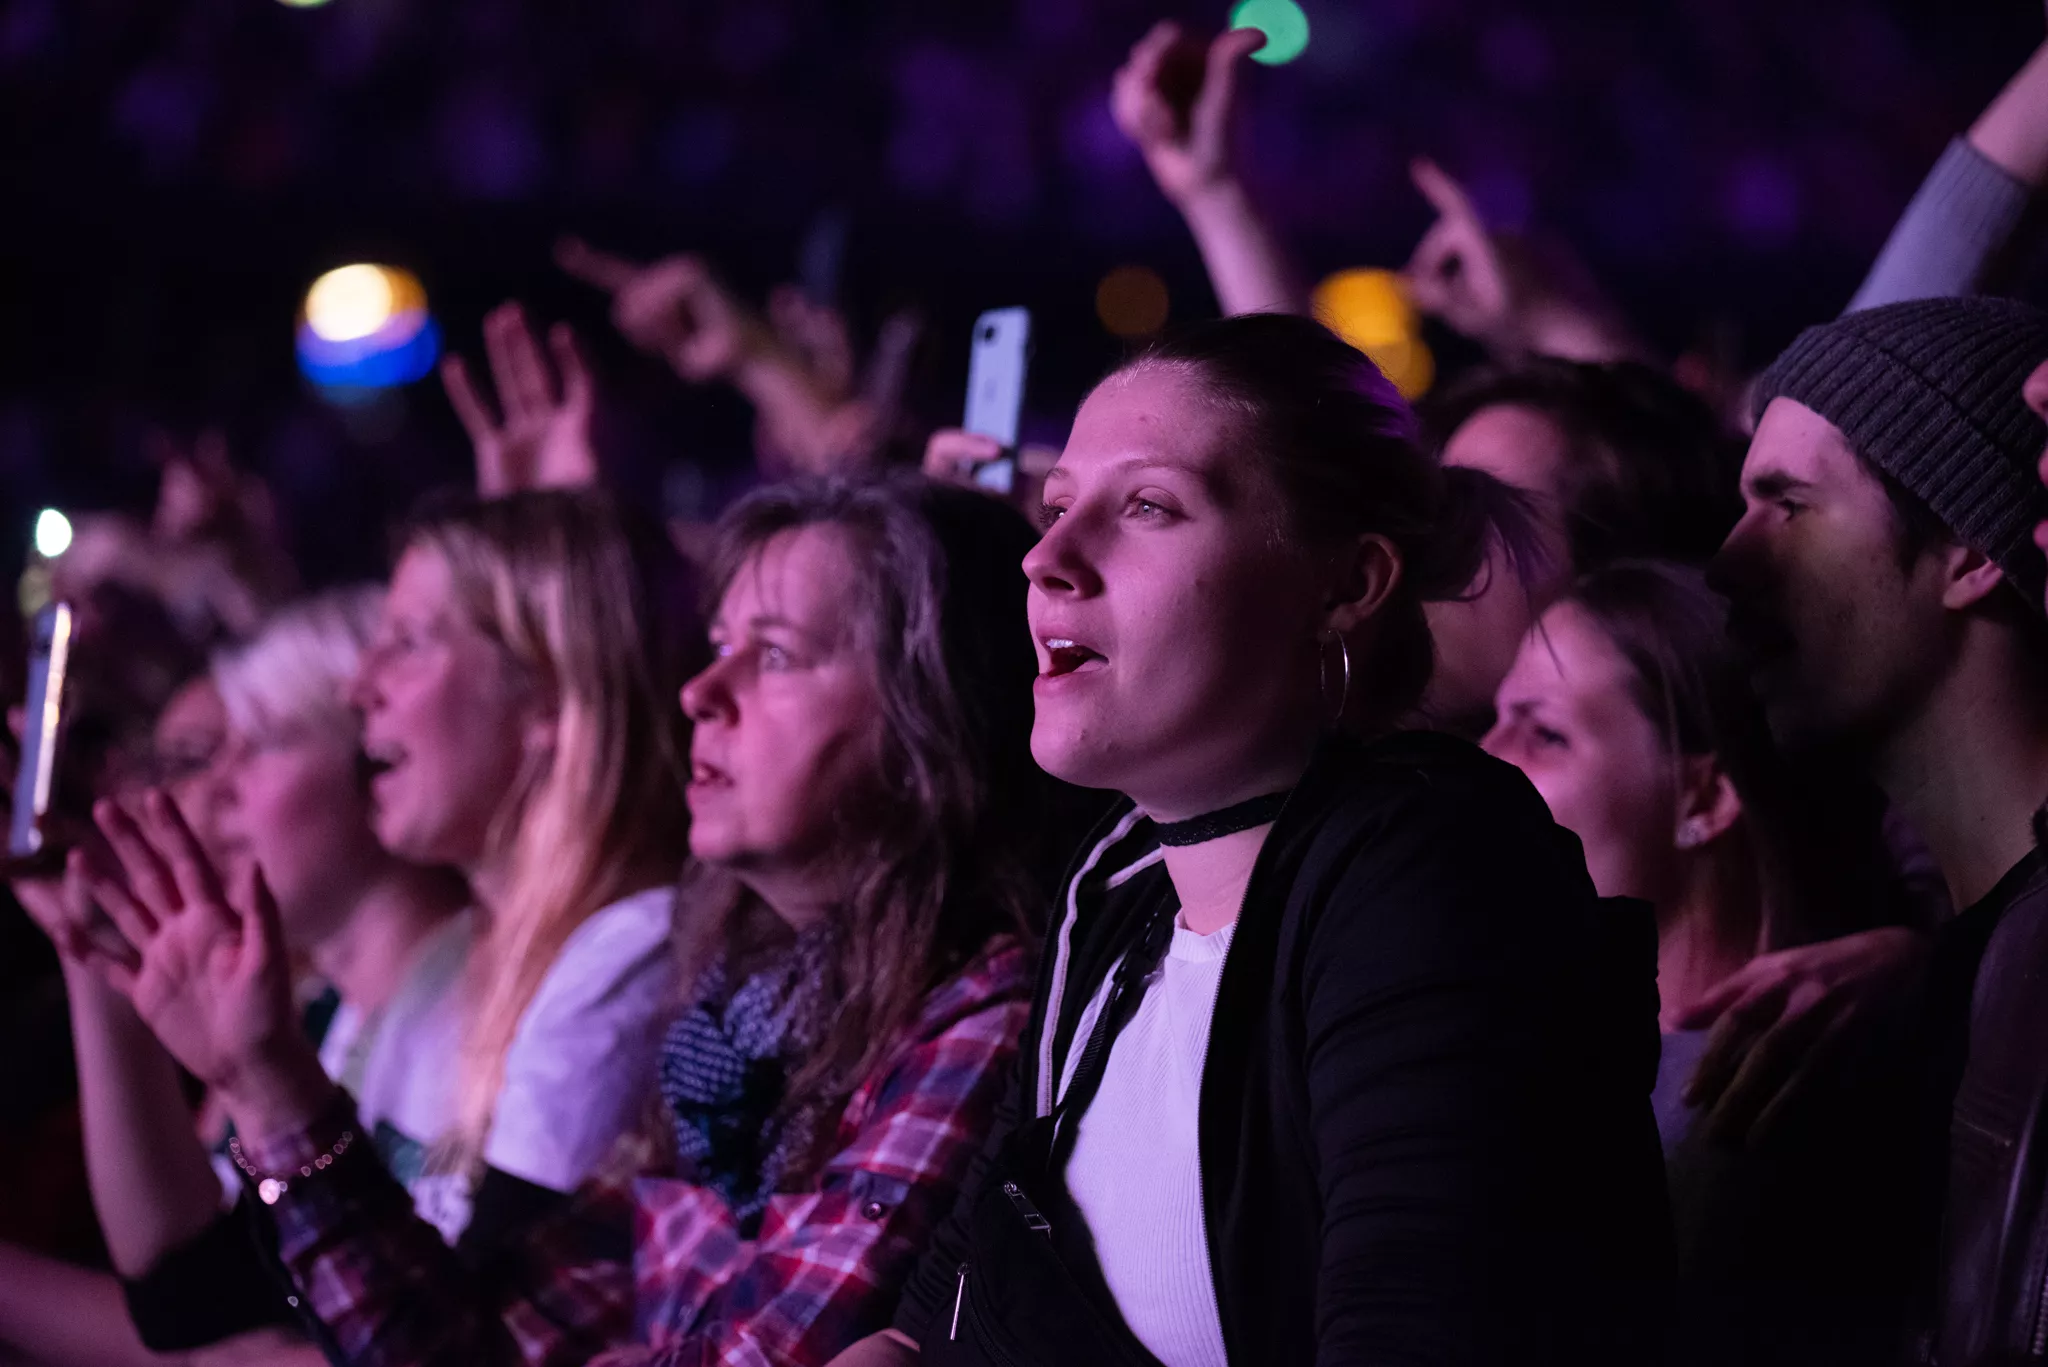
pixel 1282 21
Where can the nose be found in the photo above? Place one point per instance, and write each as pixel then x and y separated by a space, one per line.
pixel 1731 567
pixel 360 691
pixel 2035 391
pixel 1499 740
pixel 1059 564
pixel 708 698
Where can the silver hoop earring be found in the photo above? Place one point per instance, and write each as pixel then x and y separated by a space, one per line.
pixel 1322 670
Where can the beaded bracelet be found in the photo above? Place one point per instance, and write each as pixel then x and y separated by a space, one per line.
pixel 269 1187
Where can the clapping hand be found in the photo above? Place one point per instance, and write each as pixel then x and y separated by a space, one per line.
pixel 210 976
pixel 543 439
pixel 1176 98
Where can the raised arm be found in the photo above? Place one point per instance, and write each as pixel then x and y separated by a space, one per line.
pixel 152 1185
pixel 543 438
pixel 1505 293
pixel 1962 232
pixel 676 308
pixel 211 980
pixel 1178 101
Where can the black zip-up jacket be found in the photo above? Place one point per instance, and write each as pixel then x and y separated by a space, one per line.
pixel 1991 988
pixel 1425 1128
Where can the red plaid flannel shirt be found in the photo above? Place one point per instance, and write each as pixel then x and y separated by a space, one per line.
pixel 824 1269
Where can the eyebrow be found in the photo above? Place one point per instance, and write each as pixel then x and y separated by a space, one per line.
pixel 1774 482
pixel 759 620
pixel 1215 482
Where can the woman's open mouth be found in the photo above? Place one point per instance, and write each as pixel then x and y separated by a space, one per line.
pixel 1065 656
pixel 381 763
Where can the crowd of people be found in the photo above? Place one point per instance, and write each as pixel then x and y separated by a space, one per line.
pixel 1550 874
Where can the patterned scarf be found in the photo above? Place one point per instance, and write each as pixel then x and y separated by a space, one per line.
pixel 726 1062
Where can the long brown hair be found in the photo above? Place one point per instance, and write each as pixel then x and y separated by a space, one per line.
pixel 551 578
pixel 948 851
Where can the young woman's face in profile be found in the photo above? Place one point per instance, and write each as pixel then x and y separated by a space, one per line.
pixel 1569 720
pixel 445 720
pixel 295 808
pixel 1176 634
pixel 787 735
pixel 185 758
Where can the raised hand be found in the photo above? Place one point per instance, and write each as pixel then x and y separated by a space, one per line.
pixel 543 439
pixel 817 335
pixel 1458 272
pixel 1500 291
pixel 674 308
pixel 212 980
pixel 1177 100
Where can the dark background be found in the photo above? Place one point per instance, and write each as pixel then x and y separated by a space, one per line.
pixel 177 171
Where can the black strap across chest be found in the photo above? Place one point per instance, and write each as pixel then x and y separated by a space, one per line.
pixel 1127 989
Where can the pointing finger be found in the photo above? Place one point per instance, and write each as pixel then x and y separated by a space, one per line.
pixel 602 269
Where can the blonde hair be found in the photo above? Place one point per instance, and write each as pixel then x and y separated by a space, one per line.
pixel 551 578
pixel 294 672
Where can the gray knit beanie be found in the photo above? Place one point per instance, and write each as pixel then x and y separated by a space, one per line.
pixel 1929 393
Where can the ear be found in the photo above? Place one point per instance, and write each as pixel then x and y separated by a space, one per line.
pixel 1971 577
pixel 540 720
pixel 1708 806
pixel 1367 573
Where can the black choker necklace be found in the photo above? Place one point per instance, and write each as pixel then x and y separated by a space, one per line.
pixel 1209 826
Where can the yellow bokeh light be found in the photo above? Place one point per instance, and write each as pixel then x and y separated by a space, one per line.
pixel 1409 366
pixel 53 534
pixel 1365 307
pixel 1370 309
pixel 1132 301
pixel 353 302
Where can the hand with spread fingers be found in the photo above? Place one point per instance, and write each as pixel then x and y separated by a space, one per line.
pixel 1784 1018
pixel 211 978
pixel 543 438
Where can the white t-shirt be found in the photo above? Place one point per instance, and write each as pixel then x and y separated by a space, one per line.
pixel 1136 1171
pixel 581 1064
pixel 397 1061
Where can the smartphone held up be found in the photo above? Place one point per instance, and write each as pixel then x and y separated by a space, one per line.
pixel 996 366
pixel 49 657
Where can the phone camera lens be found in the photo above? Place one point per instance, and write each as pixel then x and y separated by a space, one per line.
pixel 988 334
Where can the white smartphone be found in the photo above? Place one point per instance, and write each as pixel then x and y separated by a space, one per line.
pixel 49 656
pixel 996 367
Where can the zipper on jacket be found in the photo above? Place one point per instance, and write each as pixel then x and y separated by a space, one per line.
pixel 1033 1221
pixel 959 1295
